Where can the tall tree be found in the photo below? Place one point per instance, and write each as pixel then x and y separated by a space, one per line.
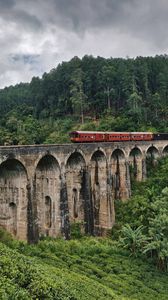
pixel 78 97
pixel 107 77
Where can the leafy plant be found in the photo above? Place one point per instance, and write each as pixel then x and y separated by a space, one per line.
pixel 133 239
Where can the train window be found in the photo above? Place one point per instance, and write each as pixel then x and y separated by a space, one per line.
pixel 74 134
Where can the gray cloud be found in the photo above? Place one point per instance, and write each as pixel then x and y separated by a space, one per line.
pixel 36 35
pixel 6 4
pixel 91 12
pixel 9 11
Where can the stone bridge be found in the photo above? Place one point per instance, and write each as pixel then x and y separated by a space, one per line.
pixel 46 188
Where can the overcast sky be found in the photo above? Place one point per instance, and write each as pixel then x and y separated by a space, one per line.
pixel 36 35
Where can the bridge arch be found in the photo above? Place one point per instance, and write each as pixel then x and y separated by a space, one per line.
pixel 75 169
pixel 135 151
pixel 14 200
pixel 97 151
pixel 135 162
pixel 47 192
pixel 75 160
pixel 120 174
pixel 10 156
pixel 152 151
pixel 118 153
pixel 75 155
pixel 152 154
pixel 165 151
pixel 41 156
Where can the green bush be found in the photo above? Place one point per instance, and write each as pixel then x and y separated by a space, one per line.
pixel 77 229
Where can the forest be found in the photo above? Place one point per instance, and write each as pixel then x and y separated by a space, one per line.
pixel 94 93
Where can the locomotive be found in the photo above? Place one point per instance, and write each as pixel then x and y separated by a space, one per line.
pixel 101 136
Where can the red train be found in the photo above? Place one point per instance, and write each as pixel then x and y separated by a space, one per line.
pixel 100 136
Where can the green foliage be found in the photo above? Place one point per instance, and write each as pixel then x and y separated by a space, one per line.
pixel 135 106
pixel 133 239
pixel 89 268
pixel 148 207
pixel 6 237
pixel 77 229
pixel 158 230
pixel 120 94
pixel 109 123
pixel 78 97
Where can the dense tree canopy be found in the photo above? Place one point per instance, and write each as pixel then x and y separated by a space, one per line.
pixel 88 88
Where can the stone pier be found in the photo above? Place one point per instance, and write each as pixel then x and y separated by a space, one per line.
pixel 46 188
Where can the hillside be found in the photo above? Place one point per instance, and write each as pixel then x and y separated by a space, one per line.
pixel 129 264
pixel 104 94
pixel 89 268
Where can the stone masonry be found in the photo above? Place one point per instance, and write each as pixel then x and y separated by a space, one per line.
pixel 45 188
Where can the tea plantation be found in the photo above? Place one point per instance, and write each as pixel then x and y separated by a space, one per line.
pixel 88 268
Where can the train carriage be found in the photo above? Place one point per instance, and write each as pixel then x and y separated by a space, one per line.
pixel 87 136
pixel 141 136
pixel 101 136
pixel 161 136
